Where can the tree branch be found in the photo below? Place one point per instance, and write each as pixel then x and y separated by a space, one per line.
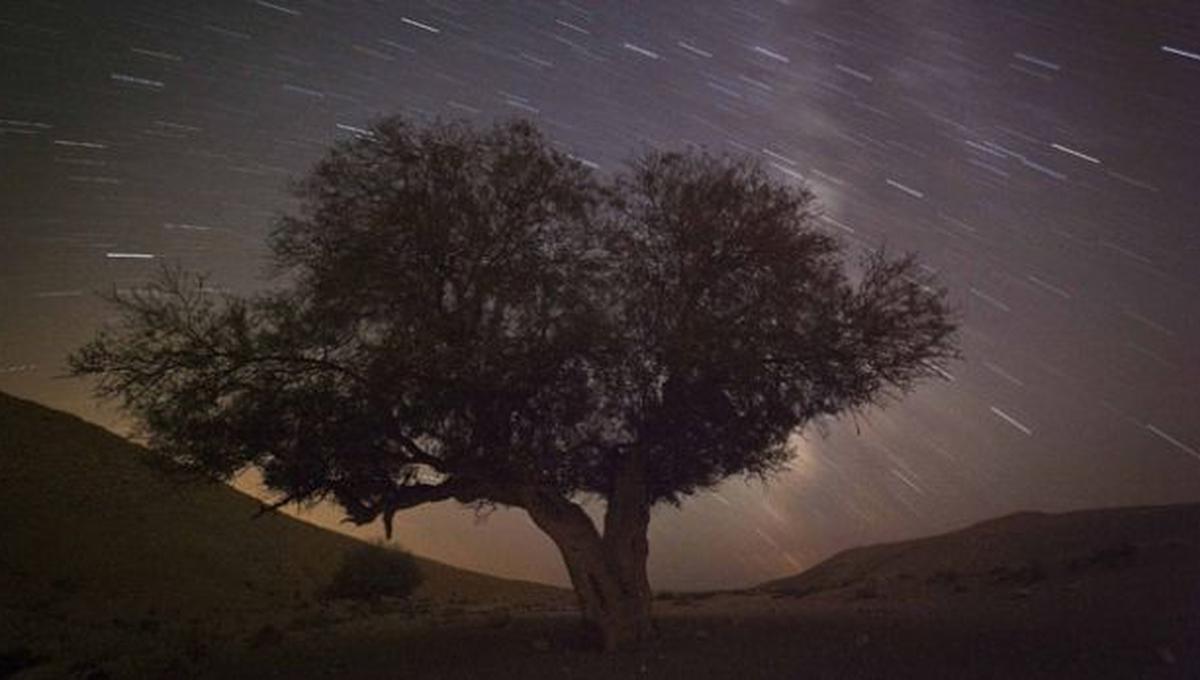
pixel 360 512
pixel 418 455
pixel 268 508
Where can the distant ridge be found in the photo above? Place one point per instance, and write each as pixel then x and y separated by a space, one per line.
pixel 1151 553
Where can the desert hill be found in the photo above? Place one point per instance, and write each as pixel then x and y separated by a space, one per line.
pixel 1153 551
pixel 101 544
pixel 1093 593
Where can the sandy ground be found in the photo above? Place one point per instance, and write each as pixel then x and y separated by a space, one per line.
pixel 755 635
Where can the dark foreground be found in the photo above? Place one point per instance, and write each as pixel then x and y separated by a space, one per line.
pixel 1090 595
pixel 757 636
pixel 110 567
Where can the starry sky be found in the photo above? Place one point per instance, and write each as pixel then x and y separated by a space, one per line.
pixel 1042 157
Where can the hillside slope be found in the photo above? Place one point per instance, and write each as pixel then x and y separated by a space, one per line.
pixel 1141 559
pixel 98 539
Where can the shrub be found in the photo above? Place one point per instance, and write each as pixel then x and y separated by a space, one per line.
pixel 371 572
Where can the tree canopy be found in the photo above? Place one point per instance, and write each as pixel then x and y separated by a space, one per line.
pixel 473 315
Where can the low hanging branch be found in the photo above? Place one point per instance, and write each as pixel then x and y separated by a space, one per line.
pixel 362 511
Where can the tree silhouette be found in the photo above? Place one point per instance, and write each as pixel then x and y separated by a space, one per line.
pixel 473 315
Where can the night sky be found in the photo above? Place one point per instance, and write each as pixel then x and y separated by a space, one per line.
pixel 1042 157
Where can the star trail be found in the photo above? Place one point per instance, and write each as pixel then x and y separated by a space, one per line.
pixel 1041 159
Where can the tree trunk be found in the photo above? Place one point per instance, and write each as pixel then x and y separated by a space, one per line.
pixel 607 572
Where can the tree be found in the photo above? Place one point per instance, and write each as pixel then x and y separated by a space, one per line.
pixel 473 315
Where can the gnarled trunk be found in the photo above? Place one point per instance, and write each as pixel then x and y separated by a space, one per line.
pixel 608 572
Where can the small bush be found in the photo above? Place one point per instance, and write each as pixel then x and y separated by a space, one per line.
pixel 370 572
